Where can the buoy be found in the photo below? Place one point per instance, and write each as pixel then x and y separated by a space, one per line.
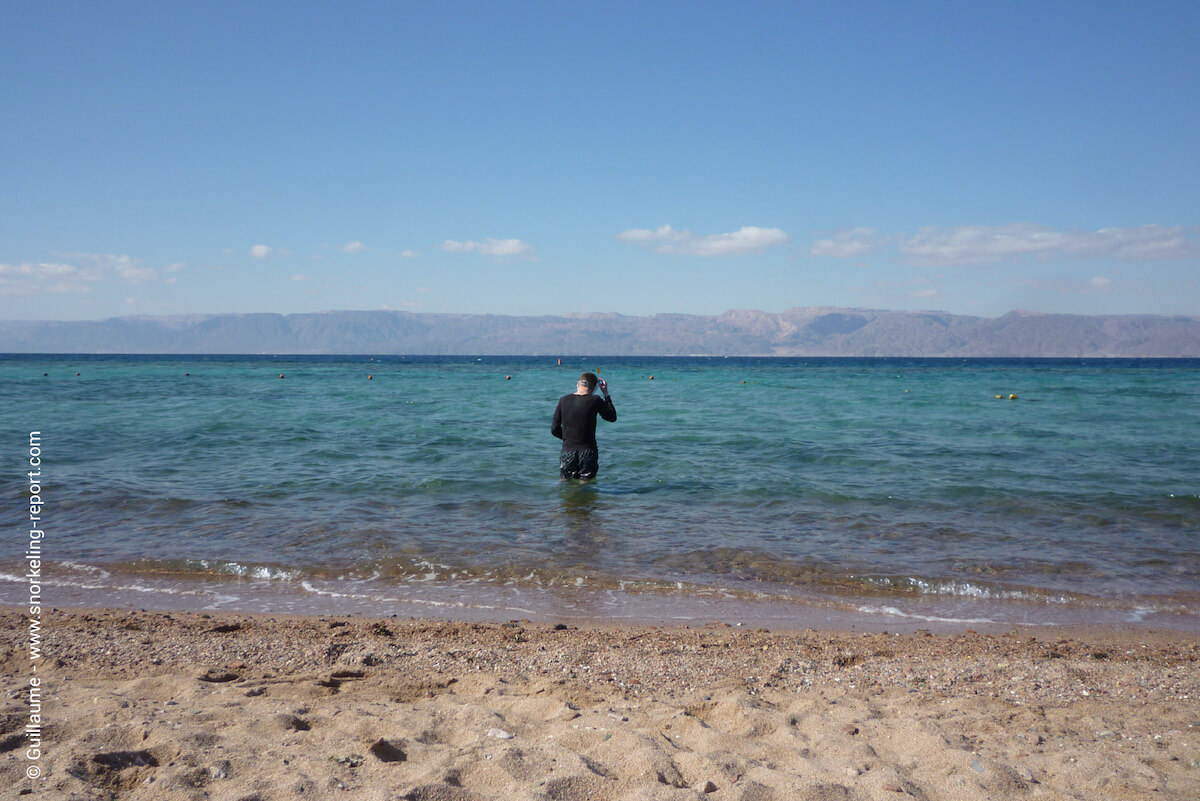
pixel 281 375
pixel 508 378
pixel 1012 397
pixel 560 362
pixel 77 374
pixel 651 378
pixel 999 397
pixel 370 378
pixel 187 373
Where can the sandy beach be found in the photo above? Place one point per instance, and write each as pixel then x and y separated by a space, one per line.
pixel 234 707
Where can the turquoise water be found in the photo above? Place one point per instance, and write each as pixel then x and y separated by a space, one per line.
pixel 900 489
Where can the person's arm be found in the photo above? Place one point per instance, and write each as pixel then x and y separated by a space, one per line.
pixel 607 410
pixel 556 423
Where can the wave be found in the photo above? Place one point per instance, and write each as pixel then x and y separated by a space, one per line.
pixel 390 585
pixel 895 612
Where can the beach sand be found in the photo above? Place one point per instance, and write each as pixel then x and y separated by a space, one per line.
pixel 235 707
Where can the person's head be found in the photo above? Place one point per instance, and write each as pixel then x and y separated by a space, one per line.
pixel 589 381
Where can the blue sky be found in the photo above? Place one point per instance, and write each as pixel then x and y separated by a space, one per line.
pixel 546 158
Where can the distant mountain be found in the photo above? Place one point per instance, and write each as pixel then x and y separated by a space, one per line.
pixel 795 332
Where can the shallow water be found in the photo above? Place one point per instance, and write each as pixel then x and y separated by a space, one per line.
pixel 896 488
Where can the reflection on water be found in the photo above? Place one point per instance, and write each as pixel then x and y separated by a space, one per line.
pixel 583 539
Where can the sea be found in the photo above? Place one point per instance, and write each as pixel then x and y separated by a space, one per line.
pixel 854 493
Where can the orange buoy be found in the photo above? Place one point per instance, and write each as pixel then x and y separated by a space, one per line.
pixel 370 378
pixel 508 378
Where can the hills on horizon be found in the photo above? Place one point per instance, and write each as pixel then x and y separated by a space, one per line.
pixel 812 331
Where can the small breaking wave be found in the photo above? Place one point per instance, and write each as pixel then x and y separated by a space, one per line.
pixel 892 611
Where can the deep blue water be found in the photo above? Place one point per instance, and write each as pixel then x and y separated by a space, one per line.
pixel 896 484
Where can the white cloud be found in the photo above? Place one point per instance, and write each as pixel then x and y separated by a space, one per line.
pixel 266 251
pixel 31 278
pixel 983 244
pixel 409 254
pixel 41 270
pixel 665 239
pixel 641 236
pixel 99 266
pixel 1149 242
pixel 961 245
pixel 354 247
pixel 88 268
pixel 299 277
pixel 1097 285
pixel 848 243
pixel 978 244
pixel 490 247
pixel 134 273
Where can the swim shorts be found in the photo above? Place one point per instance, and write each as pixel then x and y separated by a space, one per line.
pixel 579 464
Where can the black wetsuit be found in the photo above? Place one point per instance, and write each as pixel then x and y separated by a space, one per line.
pixel 575 424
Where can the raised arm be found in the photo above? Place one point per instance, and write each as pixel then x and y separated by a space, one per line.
pixel 607 410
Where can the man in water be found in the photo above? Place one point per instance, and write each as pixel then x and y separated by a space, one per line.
pixel 575 424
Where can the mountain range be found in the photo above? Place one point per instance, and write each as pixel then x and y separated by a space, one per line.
pixel 814 331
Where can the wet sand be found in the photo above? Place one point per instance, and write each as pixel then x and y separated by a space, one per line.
pixel 237 707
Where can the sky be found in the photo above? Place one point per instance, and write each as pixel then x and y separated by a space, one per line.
pixel 529 158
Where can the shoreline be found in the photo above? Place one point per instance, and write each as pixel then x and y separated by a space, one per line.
pixel 483 601
pixel 238 706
